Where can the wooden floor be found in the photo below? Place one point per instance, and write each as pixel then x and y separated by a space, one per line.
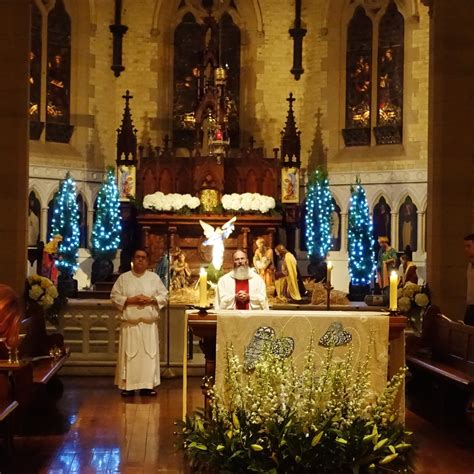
pixel 95 430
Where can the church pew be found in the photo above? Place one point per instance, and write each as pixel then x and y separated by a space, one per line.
pixel 444 354
pixel 7 409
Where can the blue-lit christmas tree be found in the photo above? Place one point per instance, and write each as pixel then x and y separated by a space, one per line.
pixel 318 209
pixel 65 222
pixel 360 239
pixel 107 225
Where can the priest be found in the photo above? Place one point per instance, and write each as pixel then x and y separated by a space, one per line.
pixel 241 288
pixel 139 295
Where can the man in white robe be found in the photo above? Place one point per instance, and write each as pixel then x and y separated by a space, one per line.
pixel 139 295
pixel 241 288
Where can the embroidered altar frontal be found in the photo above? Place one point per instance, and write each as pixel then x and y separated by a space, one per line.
pixel 289 333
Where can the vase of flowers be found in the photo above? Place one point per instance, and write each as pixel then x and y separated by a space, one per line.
pixel 42 303
pixel 412 301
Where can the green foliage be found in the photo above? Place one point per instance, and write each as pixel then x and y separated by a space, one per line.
pixel 107 226
pixel 65 223
pixel 275 420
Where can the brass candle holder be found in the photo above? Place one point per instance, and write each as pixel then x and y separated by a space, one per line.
pixel 328 287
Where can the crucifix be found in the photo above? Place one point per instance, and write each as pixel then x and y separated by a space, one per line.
pixel 297 33
pixel 118 30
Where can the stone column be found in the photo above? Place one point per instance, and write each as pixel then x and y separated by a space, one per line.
pixel 14 58
pixel 450 151
pixel 344 223
pixel 90 225
pixel 394 240
pixel 420 232
pixel 44 225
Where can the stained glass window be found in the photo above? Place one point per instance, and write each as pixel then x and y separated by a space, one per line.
pixel 59 69
pixel 390 77
pixel 358 79
pixel 35 64
pixel 188 54
pixel 230 59
pixel 206 81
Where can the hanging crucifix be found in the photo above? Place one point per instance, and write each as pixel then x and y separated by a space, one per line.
pixel 297 33
pixel 118 30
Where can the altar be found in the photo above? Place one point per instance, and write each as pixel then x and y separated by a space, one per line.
pixel 291 332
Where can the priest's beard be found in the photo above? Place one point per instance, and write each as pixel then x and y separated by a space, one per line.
pixel 241 273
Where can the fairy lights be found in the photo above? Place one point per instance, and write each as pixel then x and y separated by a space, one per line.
pixel 107 226
pixel 65 222
pixel 319 207
pixel 360 239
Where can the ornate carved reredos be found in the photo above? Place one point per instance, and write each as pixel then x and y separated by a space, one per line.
pixel 249 171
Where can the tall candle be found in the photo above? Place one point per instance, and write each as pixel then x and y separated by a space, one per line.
pixel 203 288
pixel 393 291
pixel 329 271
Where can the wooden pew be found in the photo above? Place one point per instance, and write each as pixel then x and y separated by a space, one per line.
pixel 34 378
pixel 445 354
pixel 7 409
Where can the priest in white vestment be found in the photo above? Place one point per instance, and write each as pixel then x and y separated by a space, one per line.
pixel 138 294
pixel 241 288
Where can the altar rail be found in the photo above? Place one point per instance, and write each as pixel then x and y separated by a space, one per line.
pixel 91 331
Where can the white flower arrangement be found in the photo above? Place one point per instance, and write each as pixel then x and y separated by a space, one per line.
pixel 248 202
pixel 170 202
pixel 42 291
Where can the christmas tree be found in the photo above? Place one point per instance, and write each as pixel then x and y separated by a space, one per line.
pixel 318 209
pixel 360 239
pixel 65 222
pixel 107 226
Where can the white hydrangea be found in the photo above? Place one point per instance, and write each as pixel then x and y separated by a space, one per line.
pixel 249 202
pixel 170 202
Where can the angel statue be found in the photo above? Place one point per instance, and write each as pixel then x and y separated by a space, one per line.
pixel 215 238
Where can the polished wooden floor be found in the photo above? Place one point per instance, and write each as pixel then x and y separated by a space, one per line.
pixel 95 430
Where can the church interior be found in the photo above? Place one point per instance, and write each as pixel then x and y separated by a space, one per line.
pixel 329 140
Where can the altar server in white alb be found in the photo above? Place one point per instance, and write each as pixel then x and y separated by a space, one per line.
pixel 138 294
pixel 241 288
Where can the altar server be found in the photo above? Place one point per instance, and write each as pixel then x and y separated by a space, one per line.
pixel 241 288
pixel 138 294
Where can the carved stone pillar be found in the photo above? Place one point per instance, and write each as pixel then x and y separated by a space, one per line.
pixel 450 152
pixel 14 91
pixel 90 224
pixel 420 231
pixel 344 224
pixel 394 230
pixel 44 225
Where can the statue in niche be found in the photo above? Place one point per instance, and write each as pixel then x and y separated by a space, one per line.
pixel 263 262
pixel 33 221
pixel 407 217
pixel 336 227
pixel 180 272
pixel 382 219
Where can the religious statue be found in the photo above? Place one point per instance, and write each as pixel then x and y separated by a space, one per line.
pixel 263 262
pixel 48 268
pixel 162 270
pixel 387 260
pixel 288 281
pixel 33 225
pixel 215 238
pixel 408 222
pixel 180 272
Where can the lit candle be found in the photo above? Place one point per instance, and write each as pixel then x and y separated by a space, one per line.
pixel 329 271
pixel 202 288
pixel 393 291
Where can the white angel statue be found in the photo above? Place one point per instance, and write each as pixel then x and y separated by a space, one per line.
pixel 215 238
